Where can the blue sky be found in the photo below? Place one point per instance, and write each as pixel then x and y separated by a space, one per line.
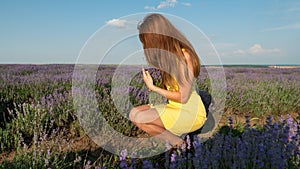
pixel 243 32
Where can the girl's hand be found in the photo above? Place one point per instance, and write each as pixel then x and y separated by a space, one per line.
pixel 148 79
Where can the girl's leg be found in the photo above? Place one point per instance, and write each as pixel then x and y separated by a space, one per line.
pixel 156 129
pixel 137 109
pixel 149 121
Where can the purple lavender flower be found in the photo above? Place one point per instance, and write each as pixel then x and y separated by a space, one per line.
pixel 188 141
pixel 289 119
pixel 173 157
pixel 123 154
pixel 147 164
pixel 260 156
pixel 293 131
pixel 132 161
pixel 123 164
pixel 197 153
pixel 173 164
pixel 269 122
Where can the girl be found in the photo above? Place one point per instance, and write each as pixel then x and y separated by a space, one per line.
pixel 167 49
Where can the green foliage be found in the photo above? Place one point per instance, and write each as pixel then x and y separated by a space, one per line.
pixel 264 97
pixel 26 118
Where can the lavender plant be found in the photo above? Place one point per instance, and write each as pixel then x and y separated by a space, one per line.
pixel 263 91
pixel 276 146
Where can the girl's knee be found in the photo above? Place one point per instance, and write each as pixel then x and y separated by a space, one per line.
pixel 135 111
pixel 132 114
pixel 136 116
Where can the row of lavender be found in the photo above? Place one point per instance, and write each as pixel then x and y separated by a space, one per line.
pixel 40 102
pixel 277 146
pixel 263 91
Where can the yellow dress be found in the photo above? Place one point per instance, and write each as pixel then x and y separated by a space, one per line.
pixel 181 118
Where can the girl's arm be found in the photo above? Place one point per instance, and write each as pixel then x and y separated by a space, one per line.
pixel 177 96
pixel 181 96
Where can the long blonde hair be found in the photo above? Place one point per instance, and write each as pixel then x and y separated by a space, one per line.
pixel 163 45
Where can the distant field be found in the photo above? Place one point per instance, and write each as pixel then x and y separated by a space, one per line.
pixel 261 66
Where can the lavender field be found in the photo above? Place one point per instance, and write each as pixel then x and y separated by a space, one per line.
pixel 39 127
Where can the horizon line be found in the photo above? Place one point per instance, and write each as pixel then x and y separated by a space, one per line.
pixel 112 64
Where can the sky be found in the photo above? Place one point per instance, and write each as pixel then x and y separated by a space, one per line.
pixel 242 32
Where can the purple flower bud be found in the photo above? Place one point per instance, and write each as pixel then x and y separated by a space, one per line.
pixel 123 155
pixel 188 141
pixel 147 164
pixel 173 157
